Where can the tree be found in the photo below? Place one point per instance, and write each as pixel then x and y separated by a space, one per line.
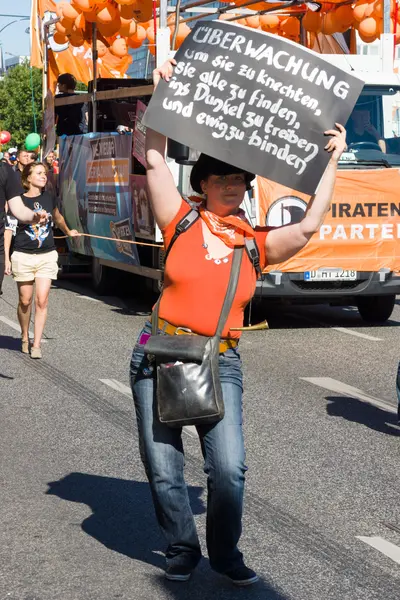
pixel 16 110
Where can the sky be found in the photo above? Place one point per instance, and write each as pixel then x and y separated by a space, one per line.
pixel 13 38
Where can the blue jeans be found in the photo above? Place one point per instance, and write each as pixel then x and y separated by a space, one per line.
pixel 162 454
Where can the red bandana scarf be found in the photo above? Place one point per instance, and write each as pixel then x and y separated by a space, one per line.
pixel 231 230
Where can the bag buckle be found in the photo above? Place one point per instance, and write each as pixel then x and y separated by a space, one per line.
pixel 185 329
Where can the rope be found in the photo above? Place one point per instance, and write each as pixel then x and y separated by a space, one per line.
pixel 112 239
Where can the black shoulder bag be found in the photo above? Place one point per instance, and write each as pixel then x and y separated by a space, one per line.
pixel 188 384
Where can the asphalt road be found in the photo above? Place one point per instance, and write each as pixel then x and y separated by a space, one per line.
pixel 322 498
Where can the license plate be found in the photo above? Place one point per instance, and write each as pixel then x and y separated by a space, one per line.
pixel 332 274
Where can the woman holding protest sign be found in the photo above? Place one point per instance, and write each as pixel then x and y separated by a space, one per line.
pixel 197 274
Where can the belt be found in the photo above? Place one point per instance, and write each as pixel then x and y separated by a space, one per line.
pixel 169 329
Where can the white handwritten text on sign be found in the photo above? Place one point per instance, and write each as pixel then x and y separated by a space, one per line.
pixel 254 100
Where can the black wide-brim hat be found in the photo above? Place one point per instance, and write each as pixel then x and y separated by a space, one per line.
pixel 207 165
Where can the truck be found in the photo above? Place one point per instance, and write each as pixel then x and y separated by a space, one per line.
pixel 353 260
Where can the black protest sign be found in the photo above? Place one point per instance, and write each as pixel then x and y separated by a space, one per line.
pixel 254 100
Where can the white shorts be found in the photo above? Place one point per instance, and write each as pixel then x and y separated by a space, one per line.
pixel 27 267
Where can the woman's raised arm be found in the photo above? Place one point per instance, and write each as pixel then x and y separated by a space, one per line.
pixel 284 242
pixel 164 197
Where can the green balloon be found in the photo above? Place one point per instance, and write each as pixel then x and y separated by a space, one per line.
pixel 32 141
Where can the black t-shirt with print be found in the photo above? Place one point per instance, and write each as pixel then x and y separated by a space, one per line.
pixel 10 187
pixel 34 239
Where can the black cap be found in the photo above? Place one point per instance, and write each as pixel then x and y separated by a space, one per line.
pixel 207 165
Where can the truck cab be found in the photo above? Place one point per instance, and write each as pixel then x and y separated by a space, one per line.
pixel 355 257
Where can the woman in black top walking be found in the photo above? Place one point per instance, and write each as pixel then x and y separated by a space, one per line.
pixel 34 258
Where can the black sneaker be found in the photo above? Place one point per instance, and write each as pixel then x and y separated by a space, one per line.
pixel 178 573
pixel 242 576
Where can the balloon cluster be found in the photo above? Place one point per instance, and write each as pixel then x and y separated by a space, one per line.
pixel 335 17
pixel 122 24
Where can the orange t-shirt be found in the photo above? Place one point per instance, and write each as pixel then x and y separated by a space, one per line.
pixel 195 288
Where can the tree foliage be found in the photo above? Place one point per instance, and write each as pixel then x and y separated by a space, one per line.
pixel 16 110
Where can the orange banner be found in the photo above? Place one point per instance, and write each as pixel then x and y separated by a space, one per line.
pixel 113 171
pixel 360 232
pixel 66 58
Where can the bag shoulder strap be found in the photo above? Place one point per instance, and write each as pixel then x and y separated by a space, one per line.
pixel 184 224
pixel 187 221
pixel 253 253
pixel 231 289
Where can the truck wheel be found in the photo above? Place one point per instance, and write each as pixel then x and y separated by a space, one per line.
pixel 376 309
pixel 101 277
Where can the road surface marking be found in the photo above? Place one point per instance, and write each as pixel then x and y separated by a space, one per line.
pixel 387 548
pixel 357 334
pixel 333 385
pixel 118 386
pixel 339 329
pixel 88 298
pixel 190 430
pixel 16 327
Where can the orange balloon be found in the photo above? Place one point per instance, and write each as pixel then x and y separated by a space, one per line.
pixel 59 11
pixel 76 40
pixel 128 27
pixel 60 38
pixel 369 10
pixel 140 35
pixel 91 16
pixel 150 34
pixel 108 14
pixel 67 25
pixel 329 24
pixel 269 22
pixel 183 32
pixel 119 47
pixel 312 21
pixel 253 21
pixel 367 39
pixel 359 10
pixel 125 2
pixel 290 26
pixel 132 43
pixel 68 11
pixel 60 28
pixel 84 5
pixel 110 29
pixel 80 22
pixel 126 11
pixel 142 11
pixel 344 15
pixel 101 48
pixel 368 27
